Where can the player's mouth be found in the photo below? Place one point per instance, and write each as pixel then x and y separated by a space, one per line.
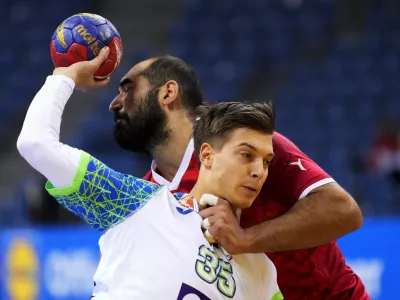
pixel 118 121
pixel 119 117
pixel 250 189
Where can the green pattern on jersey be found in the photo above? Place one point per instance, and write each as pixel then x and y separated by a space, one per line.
pixel 101 196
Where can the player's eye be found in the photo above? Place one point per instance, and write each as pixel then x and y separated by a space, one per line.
pixel 123 89
pixel 246 154
pixel 267 162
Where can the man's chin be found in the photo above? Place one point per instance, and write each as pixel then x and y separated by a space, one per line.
pixel 243 202
pixel 129 144
pixel 121 139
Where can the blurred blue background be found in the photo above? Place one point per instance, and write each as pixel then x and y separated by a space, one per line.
pixel 332 69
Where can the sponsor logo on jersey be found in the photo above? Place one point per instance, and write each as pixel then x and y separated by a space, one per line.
pixel 299 164
pixel 189 205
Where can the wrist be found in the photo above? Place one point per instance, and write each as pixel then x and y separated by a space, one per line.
pixel 59 87
pixel 63 78
pixel 246 242
pixel 63 72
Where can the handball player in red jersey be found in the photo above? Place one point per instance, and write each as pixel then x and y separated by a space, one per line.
pixel 299 213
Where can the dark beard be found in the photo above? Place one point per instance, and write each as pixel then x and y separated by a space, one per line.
pixel 146 129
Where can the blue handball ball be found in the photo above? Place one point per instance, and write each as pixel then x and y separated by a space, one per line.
pixel 81 37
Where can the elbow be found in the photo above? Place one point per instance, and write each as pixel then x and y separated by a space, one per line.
pixel 351 215
pixel 30 148
pixel 356 215
pixel 25 145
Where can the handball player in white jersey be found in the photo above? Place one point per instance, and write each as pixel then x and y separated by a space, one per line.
pixel 153 246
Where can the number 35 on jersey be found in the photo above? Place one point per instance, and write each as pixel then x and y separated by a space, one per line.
pixel 214 270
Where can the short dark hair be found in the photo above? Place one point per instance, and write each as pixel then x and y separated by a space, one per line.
pixel 216 122
pixel 168 67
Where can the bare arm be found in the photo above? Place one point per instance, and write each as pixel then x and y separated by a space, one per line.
pixel 324 215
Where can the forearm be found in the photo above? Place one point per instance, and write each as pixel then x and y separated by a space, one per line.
pixel 319 218
pixel 39 140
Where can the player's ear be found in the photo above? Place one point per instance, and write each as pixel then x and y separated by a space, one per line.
pixel 206 155
pixel 168 93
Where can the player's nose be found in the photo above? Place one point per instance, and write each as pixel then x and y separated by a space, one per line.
pixel 257 170
pixel 115 105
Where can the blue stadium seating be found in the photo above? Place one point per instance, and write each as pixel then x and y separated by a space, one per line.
pixel 328 106
pixel 31 26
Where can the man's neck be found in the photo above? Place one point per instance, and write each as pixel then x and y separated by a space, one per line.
pixel 168 157
pixel 198 191
pixel 203 187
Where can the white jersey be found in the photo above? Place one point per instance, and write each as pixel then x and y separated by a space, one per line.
pixel 153 246
pixel 161 250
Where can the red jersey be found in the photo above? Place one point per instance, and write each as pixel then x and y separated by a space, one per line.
pixel 316 273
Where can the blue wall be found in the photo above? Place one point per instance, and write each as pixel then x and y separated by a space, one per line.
pixel 373 253
pixel 58 263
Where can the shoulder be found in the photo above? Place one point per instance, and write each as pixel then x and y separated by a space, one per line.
pixel 288 156
pixel 285 152
pixel 283 147
pixel 292 171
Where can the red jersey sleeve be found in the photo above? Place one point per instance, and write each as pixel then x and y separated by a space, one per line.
pixel 299 173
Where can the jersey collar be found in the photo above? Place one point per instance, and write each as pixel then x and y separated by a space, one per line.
pixel 181 171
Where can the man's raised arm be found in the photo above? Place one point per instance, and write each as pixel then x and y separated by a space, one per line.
pixel 78 181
